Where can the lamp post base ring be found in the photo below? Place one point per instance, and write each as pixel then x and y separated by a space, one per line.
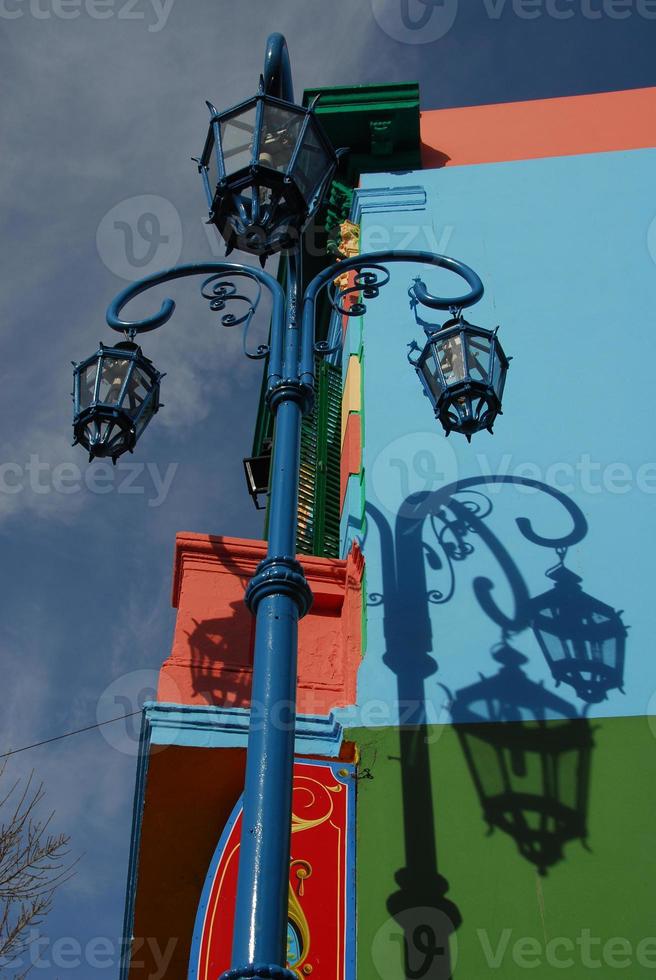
pixel 280 575
pixel 258 971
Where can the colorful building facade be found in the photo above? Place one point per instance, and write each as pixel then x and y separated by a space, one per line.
pixel 475 779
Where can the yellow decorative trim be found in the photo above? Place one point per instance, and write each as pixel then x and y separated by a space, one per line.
pixel 303 872
pixel 352 394
pixel 349 239
pixel 304 786
pixel 297 916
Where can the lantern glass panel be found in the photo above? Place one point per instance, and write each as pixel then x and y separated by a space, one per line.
pixel 432 376
pixel 278 136
pixel 237 139
pixel 312 164
pixel 116 438
pixel 478 357
pixel 498 372
pixel 137 391
pixel 145 416
pixel 212 165
pixel 450 358
pixel 87 384
pixel 114 371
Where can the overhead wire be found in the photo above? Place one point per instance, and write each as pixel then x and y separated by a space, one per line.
pixel 77 731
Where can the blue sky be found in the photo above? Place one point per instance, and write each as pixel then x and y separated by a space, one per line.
pixel 102 106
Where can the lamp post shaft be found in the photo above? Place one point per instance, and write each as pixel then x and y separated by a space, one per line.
pixel 278 595
pixel 261 906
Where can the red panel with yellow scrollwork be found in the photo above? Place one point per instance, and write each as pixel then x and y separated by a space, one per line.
pixel 321 927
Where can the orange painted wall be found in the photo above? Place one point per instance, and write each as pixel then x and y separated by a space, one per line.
pixel 212 655
pixel 542 128
pixel 190 793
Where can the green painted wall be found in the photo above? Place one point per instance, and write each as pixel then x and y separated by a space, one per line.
pixel 592 910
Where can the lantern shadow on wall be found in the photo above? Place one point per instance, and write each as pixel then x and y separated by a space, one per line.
pixel 221 651
pixel 528 750
pixel 529 756
pixel 582 638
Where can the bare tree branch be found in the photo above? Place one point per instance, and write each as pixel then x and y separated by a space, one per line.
pixel 34 863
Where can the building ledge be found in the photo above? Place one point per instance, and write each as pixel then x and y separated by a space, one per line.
pixel 212 727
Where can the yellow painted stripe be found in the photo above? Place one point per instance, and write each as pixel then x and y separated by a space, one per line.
pixel 352 395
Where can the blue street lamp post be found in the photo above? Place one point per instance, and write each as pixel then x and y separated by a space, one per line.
pixel 116 394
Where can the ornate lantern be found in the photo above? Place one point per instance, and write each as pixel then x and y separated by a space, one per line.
pixel 265 167
pixel 463 370
pixel 582 639
pixel 115 395
pixel 529 758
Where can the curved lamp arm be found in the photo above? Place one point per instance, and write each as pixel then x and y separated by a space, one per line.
pixel 220 292
pixel 278 69
pixel 476 289
pixel 371 277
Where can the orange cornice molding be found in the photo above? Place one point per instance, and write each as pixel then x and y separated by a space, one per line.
pixel 240 557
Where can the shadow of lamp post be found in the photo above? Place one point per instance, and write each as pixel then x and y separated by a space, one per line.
pixel 420 905
pixel 265 168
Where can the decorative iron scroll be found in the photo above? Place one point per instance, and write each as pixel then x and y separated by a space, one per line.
pixel 221 291
pixel 368 280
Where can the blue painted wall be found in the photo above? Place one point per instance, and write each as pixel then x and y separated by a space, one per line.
pixel 562 247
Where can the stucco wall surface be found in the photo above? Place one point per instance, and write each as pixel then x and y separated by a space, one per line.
pixel 438 893
pixel 566 247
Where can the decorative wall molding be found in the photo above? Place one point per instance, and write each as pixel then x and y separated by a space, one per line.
pixel 211 726
pixel 372 200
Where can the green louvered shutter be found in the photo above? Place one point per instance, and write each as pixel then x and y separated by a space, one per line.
pixel 318 503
